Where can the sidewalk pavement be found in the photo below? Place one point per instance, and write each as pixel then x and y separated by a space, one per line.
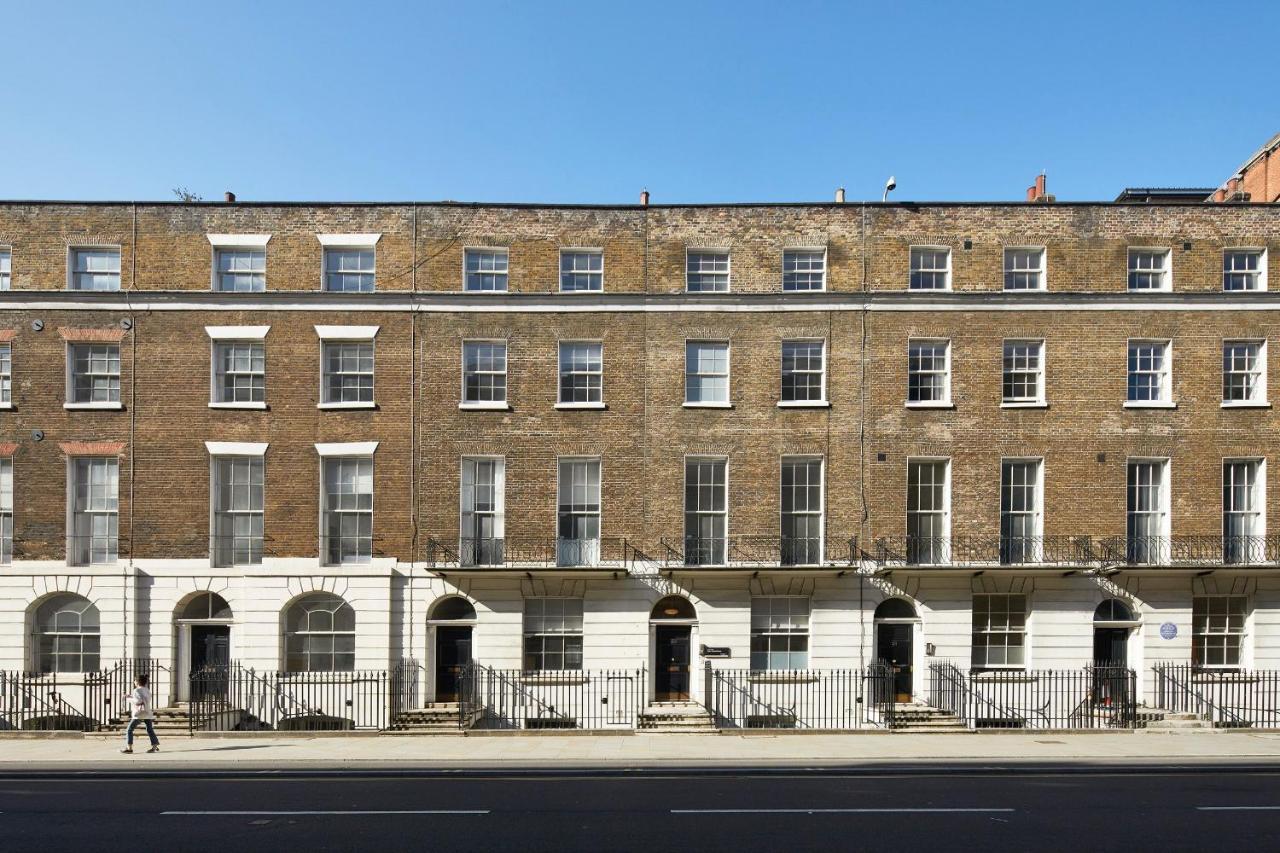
pixel 542 751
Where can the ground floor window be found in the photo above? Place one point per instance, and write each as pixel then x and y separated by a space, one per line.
pixel 320 635
pixel 1217 630
pixel 999 631
pixel 779 632
pixel 68 635
pixel 552 634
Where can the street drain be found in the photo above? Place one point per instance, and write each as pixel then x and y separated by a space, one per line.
pixel 1051 741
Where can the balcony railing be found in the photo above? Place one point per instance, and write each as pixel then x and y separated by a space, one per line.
pixel 1191 550
pixel 753 550
pixel 983 550
pixel 503 552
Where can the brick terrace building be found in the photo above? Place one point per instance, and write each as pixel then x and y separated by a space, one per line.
pixel 332 436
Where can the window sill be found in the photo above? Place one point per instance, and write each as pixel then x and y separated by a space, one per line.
pixel 6 406
pixel 553 678
pixel 257 406
pixel 107 407
pixel 354 405
pixel 1242 404
pixel 484 407
pixel 941 404
pixel 1018 676
pixel 708 405
pixel 1024 405
pixel 803 404
pixel 575 292
pixel 1149 404
pixel 583 406
pixel 782 678
pixel 469 292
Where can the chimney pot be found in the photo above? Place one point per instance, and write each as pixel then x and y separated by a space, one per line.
pixel 1219 195
pixel 839 195
pixel 1040 190
pixel 1031 194
pixel 231 197
pixel 644 198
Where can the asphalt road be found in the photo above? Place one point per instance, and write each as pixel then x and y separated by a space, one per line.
pixel 1199 809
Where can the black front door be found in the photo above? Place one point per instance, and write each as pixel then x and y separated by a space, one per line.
pixel 671 663
pixel 453 652
pixel 893 645
pixel 1110 646
pixel 210 657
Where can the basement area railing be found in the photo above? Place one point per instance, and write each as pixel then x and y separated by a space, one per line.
pixel 1228 698
pixel 1093 697
pixel 564 699
pixel 824 699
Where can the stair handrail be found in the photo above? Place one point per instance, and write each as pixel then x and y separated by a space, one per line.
pixel 516 687
pixel 25 685
pixel 1162 671
pixel 720 676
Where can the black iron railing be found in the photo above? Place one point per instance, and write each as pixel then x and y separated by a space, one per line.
pixel 1191 550
pixel 81 701
pixel 759 550
pixel 405 687
pixel 568 699
pixel 830 699
pixel 230 697
pixel 1093 697
pixel 983 550
pixel 1227 698
pixel 505 552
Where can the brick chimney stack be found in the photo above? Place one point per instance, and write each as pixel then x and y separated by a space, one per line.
pixel 1037 194
pixel 231 197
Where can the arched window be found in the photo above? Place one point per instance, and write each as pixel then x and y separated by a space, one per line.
pixel 207 605
pixel 453 608
pixel 895 608
pixel 320 634
pixel 67 633
pixel 674 607
pixel 1113 610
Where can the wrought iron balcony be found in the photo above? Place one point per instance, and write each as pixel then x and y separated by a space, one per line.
pixel 980 550
pixel 1191 550
pixel 505 552
pixel 755 550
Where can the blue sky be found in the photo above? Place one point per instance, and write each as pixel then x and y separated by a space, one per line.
pixel 590 102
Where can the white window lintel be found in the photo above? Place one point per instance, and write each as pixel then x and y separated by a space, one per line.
pixel 347 333
pixel 236 448
pixel 347 448
pixel 239 241
pixel 237 333
pixel 349 241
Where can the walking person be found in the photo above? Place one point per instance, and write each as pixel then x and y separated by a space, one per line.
pixel 141 710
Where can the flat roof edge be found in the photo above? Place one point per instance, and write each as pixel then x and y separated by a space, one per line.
pixel 629 207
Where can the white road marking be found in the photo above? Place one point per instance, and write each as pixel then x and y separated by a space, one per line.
pixel 834 811
pixel 332 812
pixel 1237 808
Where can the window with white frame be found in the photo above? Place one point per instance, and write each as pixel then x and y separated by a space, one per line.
pixel 928 511
pixel 67 631
pixel 95 269
pixel 1218 625
pixel 6 374
pixel 348 372
pixel 1244 519
pixel 578 521
pixel 1021 517
pixel 6 269
pixel 1147 527
pixel 93 534
pixel 239 372
pixel 1023 380
pixel 1149 269
pixel 999 631
pixel 1244 372
pixel 1244 269
pixel 928 372
pixel 486 270
pixel 1024 268
pixel 706 373
pixel 804 269
pixel 706 271
pixel 802 511
pixel 581 372
pixel 483 487
pixel 95 374
pixel 6 510
pixel 320 634
pixel 706 511
pixel 581 270
pixel 484 372
pixel 779 632
pixel 552 634
pixel 930 268
pixel 346 270
pixel 804 372
pixel 347 508
pixel 237 510
pixel 240 270
pixel 1149 377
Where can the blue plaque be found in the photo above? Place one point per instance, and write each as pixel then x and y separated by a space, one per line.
pixel 1168 631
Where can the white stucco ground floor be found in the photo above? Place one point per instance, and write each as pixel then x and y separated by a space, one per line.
pixel 664 630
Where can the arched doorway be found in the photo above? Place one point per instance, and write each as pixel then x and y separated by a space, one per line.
pixel 672 621
pixel 203 629
pixel 896 624
pixel 1113 624
pixel 451 621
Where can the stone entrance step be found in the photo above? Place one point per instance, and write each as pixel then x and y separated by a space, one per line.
pixel 921 718
pixel 675 717
pixel 438 717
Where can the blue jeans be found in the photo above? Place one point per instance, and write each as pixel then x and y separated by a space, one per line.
pixel 151 732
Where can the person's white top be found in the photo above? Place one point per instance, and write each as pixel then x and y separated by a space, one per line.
pixel 140 707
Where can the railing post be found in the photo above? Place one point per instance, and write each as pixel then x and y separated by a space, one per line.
pixel 709 701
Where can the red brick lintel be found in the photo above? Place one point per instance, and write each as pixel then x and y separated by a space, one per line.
pixel 8 448
pixel 91 335
pixel 92 448
pixel 7 335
